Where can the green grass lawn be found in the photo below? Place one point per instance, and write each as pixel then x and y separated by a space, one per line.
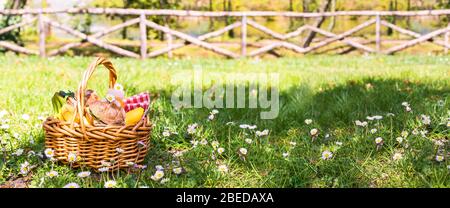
pixel 332 91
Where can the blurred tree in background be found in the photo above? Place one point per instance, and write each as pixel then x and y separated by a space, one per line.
pixel 7 20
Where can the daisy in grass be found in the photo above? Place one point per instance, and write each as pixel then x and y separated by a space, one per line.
pixel 314 132
pixel 26 117
pixel 220 150
pixel 285 154
pixel 248 141
pixel 164 180
pixel 265 132
pixel 379 141
pixel 159 167
pixel 223 168
pixel 326 155
pixel 439 158
pixel 166 133
pixel 177 170
pixel 110 184
pixel 51 174
pixel 399 140
pixel 243 151
pixel 84 174
pixel 72 157
pixel 308 121
pixel 211 117
pixel 293 143
pixel 4 126
pixel 425 119
pixel 203 142
pixel 243 126
pixel 373 131
pixel 397 156
pixel 215 144
pixel 72 185
pixel 18 152
pixel 251 127
pixel 103 169
pixel 25 168
pixel 158 175
pixel 192 128
pixel 361 123
pixel 404 134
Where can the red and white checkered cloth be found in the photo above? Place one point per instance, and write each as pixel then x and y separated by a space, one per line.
pixel 135 101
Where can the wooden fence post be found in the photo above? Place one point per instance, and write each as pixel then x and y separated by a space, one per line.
pixel 143 35
pixel 378 34
pixel 169 42
pixel 446 37
pixel 244 36
pixel 41 31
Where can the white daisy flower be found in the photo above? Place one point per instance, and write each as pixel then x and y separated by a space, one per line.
pixel 194 143
pixel 158 175
pixel 314 132
pixel 18 152
pixel 251 127
pixel 285 154
pixel 379 140
pixel 211 117
pixel 415 132
pixel 397 156
pixel 214 111
pixel 339 143
pixel 51 174
pixel 25 168
pixel 118 87
pixel 262 133
pixel 103 169
pixel 248 141
pixel 308 121
pixel 293 143
pixel 72 157
pixel 220 150
pixel 204 142
pixel 84 174
pixel 243 126
pixel 4 126
pixel 159 167
pixel 110 184
pixel 72 185
pixel 373 131
pixel 399 139
pixel 243 151
pixel 215 144
pixel 177 170
pixel 223 168
pixel 166 133
pixel 405 104
pixel 3 113
pixel 326 155
pixel 42 118
pixel 192 128
pixel 164 180
pixel 404 134
pixel 425 119
pixel 439 158
pixel 361 123
pixel 26 117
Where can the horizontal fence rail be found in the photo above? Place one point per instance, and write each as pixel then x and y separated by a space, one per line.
pixel 242 21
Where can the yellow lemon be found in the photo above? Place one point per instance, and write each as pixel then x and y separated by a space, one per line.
pixel 132 117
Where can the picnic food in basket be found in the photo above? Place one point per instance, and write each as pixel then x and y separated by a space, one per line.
pixel 95 128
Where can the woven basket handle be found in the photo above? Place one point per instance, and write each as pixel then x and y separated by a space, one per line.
pixel 82 87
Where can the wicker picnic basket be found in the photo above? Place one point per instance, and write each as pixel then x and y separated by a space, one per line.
pixel 95 145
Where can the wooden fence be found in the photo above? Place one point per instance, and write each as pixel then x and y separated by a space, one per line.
pixel 439 37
